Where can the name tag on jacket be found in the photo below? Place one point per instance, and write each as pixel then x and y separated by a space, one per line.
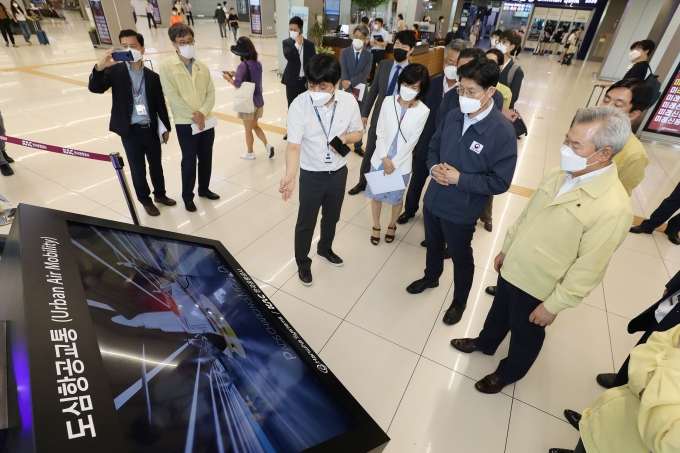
pixel 476 147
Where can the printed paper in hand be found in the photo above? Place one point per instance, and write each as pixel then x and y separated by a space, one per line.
pixel 161 129
pixel 381 183
pixel 209 124
pixel 359 91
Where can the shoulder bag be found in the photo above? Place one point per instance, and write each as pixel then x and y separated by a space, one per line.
pixel 243 96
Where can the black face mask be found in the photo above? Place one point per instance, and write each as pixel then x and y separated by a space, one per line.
pixel 399 55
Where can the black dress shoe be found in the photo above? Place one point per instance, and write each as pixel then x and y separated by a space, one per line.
pixel 491 384
pixel 572 417
pixel 285 137
pixel 638 229
pixel 447 255
pixel 331 257
pixel 466 345
pixel 7 158
pixel 152 210
pixel 305 277
pixel 560 450
pixel 404 218
pixel 359 151
pixel 491 290
pixel 165 200
pixel 673 237
pixel 421 285
pixel 357 189
pixel 190 206
pixel 454 313
pixel 488 226
pixel 6 170
pixel 606 380
pixel 209 195
pixel 423 244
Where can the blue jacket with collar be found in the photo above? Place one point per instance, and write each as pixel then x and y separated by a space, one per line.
pixel 486 170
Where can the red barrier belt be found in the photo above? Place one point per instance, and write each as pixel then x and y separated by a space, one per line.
pixel 54 149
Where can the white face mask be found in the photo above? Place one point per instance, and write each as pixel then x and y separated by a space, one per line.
pixel 634 54
pixel 187 51
pixel 455 29
pixel 294 34
pixel 451 72
pixel 375 26
pixel 320 98
pixel 407 93
pixel 570 161
pixel 136 54
pixel 358 43
pixel 502 48
pixel 469 105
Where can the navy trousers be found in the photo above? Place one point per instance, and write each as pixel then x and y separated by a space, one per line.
pixel 664 212
pixel 199 148
pixel 419 175
pixel 438 234
pixel 510 313
pixel 142 145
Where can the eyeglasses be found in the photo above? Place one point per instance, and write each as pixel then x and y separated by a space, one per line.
pixel 190 42
pixel 466 93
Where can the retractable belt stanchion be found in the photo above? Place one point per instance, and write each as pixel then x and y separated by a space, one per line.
pixel 114 158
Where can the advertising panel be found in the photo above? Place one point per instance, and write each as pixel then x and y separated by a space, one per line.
pixel 666 117
pixel 100 22
pixel 255 17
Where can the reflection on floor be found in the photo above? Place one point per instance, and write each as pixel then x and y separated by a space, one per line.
pixel 388 347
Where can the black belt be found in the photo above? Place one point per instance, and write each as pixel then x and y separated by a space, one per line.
pixel 141 126
pixel 330 172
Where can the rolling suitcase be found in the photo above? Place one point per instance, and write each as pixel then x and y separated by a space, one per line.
pixel 593 92
pixel 42 36
pixel 567 59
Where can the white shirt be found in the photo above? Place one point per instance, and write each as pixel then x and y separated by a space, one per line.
pixel 385 36
pixel 149 8
pixel 571 183
pixel 300 48
pixel 20 17
pixel 305 130
pixel 448 88
pixel 666 306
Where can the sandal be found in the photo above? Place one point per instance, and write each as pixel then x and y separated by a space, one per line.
pixel 389 238
pixel 375 240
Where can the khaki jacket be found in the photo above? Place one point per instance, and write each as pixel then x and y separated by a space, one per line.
pixel 558 251
pixel 631 162
pixel 186 92
pixel 620 421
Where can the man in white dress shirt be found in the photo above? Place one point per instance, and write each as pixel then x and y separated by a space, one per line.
pixel 315 118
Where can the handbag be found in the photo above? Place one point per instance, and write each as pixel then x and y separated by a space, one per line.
pixel 517 122
pixel 243 96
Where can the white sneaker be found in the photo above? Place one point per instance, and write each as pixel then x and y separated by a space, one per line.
pixel 248 156
pixel 270 150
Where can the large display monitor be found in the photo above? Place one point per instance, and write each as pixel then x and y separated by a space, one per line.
pixel 128 339
pixel 665 117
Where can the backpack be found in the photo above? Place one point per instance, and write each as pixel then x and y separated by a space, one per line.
pixel 653 81
pixel 511 72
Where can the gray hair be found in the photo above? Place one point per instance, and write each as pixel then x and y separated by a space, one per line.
pixel 363 30
pixel 457 45
pixel 614 126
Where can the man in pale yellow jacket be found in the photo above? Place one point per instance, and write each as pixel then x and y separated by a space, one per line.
pixel 557 251
pixel 191 93
pixel 643 415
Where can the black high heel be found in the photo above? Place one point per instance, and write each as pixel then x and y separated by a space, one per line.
pixel 389 238
pixel 374 240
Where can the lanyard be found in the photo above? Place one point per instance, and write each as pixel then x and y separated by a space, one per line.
pixel 402 116
pixel 137 94
pixel 335 104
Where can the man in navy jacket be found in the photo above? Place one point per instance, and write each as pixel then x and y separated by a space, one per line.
pixel 472 156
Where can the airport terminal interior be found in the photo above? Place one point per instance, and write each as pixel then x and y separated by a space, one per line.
pixel 388 347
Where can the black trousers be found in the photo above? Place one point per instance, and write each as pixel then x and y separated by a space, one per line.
pixel 419 175
pixel 440 232
pixel 144 143
pixel 190 19
pixel 6 29
pixel 580 448
pixel 664 212
pixel 195 147
pixel 510 313
pixel 378 56
pixel 150 20
pixel 135 16
pixel 319 190
pixel 295 89
pixel 370 149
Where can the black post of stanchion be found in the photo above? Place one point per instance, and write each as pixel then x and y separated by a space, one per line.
pixel 118 165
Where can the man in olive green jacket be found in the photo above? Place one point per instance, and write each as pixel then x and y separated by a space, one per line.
pixel 557 251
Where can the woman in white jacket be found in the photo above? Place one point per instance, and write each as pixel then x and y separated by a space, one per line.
pixel 401 121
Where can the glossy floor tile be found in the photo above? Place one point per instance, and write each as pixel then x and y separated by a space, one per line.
pixel 389 348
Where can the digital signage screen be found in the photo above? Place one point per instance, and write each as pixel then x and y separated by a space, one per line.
pixel 255 17
pixel 100 22
pixel 665 118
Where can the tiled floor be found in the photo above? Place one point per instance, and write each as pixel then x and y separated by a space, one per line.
pixel 388 347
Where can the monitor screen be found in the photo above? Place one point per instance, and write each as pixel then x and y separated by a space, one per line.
pixel 665 118
pixel 194 362
pixel 344 30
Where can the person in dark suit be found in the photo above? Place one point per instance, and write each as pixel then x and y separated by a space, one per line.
pixel 137 106
pixel 665 212
pixel 511 75
pixel 384 84
pixel 355 62
pixel 453 34
pixel 660 317
pixel 298 51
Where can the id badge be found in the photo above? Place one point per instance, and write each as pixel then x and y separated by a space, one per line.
pixel 328 157
pixel 141 109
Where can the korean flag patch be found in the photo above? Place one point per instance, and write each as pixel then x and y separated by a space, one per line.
pixel 476 147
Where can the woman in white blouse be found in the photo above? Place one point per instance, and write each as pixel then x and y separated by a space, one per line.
pixel 401 121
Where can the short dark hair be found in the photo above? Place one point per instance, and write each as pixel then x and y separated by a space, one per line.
pixel 406 37
pixel 365 19
pixel 497 32
pixel 323 68
pixel 648 45
pixel 641 91
pixel 400 16
pixel 128 33
pixel 484 72
pixel 414 26
pixel 513 37
pixel 441 17
pixel 498 54
pixel 413 74
pixel 455 23
pixel 295 20
pixel 179 31
pixel 379 19
pixel 472 52
pixel 174 9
